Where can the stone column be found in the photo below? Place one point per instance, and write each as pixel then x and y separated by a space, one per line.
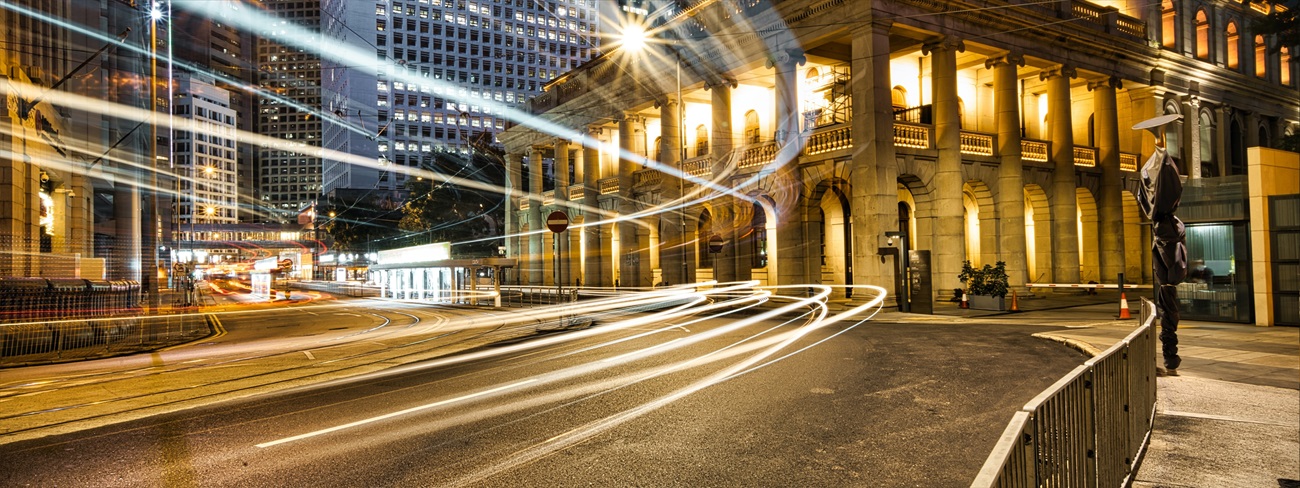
pixel 596 247
pixel 1010 199
pixel 514 182
pixel 1191 163
pixel 18 218
pixel 1063 200
pixel 1110 203
pixel 536 249
pixel 874 177
pixel 567 260
pixel 785 63
pixel 721 147
pixel 671 259
pixel 1221 139
pixel 785 263
pixel 949 232
pixel 629 241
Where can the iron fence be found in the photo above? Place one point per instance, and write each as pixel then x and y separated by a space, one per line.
pixel 1090 428
pixel 48 341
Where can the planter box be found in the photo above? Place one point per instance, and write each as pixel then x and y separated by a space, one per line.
pixel 987 302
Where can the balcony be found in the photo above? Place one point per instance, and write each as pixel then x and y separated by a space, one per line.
pixel 911 135
pixel 647 177
pixel 829 139
pixel 576 193
pixel 1128 162
pixel 1085 156
pixel 1035 151
pixel 699 166
pixel 609 185
pixel 976 144
pixel 757 155
pixel 548 197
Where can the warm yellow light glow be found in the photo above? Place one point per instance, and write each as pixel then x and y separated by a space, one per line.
pixel 210 211
pixel 634 37
pixel 208 170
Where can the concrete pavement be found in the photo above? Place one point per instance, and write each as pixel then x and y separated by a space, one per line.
pixel 1230 419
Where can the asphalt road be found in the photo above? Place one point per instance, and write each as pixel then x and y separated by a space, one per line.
pixel 658 404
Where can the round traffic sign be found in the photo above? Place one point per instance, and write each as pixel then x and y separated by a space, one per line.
pixel 715 244
pixel 557 221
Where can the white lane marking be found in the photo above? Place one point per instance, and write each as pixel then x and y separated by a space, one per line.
pixel 309 356
pixel 393 414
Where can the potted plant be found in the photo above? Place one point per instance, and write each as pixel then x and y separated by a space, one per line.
pixel 986 287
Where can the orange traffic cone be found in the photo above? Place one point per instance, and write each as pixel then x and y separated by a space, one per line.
pixel 964 303
pixel 1015 302
pixel 1123 307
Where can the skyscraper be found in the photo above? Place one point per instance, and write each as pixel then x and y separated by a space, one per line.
pixel 289 173
pixel 444 76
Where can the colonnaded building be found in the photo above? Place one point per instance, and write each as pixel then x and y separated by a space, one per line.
pixel 801 135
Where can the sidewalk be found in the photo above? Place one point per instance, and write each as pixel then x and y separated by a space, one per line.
pixel 1230 419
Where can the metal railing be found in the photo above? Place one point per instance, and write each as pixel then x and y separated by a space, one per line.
pixel 1090 428
pixel 63 340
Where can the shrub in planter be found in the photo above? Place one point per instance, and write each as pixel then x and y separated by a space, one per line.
pixel 988 281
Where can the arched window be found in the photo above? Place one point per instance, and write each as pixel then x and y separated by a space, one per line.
pixel 1233 47
pixel 1202 36
pixel 658 149
pixel 1285 73
pixel 751 127
pixel 1173 136
pixel 701 140
pixel 899 98
pixel 1261 57
pixel 1169 24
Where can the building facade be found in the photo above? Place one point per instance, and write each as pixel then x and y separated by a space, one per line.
pixel 445 74
pixel 204 152
pixel 288 172
pixel 809 137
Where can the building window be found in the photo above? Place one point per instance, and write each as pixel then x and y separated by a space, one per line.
pixel 701 140
pixel 1202 36
pixel 751 127
pixel 1261 57
pixel 1169 24
pixel 1286 66
pixel 1233 47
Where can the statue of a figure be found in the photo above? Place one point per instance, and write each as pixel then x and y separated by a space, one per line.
pixel 1158 196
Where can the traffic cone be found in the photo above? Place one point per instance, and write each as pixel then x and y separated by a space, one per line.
pixel 964 303
pixel 1015 302
pixel 1123 307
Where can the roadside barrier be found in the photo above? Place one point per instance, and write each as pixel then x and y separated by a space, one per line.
pixel 1090 428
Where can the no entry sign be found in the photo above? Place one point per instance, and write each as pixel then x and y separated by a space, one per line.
pixel 557 221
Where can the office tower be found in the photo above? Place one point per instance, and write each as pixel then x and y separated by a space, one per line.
pixel 446 76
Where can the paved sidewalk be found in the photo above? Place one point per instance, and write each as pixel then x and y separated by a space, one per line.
pixel 1232 416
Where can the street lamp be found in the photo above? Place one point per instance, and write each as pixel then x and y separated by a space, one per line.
pixel 635 39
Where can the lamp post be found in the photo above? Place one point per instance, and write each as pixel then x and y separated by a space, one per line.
pixel 150 231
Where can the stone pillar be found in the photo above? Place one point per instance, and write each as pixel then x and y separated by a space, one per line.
pixel 536 249
pixel 1110 203
pixel 631 268
pixel 874 175
pixel 1010 199
pixel 514 182
pixel 672 260
pixel 1191 163
pixel 19 208
pixel 597 249
pixel 785 64
pixel 949 232
pixel 786 260
pixel 567 259
pixel 1221 139
pixel 721 147
pixel 1063 199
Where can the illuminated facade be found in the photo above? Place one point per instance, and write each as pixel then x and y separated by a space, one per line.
pixel 289 173
pixel 808 129
pixel 445 71
pixel 204 152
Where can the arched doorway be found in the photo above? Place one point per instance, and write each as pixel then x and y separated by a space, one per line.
pixel 1089 238
pixel 1038 239
pixel 835 239
pixel 704 259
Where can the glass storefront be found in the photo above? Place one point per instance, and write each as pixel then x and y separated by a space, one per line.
pixel 1218 284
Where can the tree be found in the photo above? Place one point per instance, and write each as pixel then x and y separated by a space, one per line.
pixel 1283 23
pixel 439 210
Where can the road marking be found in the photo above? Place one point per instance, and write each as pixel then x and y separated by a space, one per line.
pixel 309 356
pixel 391 415
pixel 640 352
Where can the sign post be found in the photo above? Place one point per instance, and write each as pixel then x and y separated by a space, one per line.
pixel 557 222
